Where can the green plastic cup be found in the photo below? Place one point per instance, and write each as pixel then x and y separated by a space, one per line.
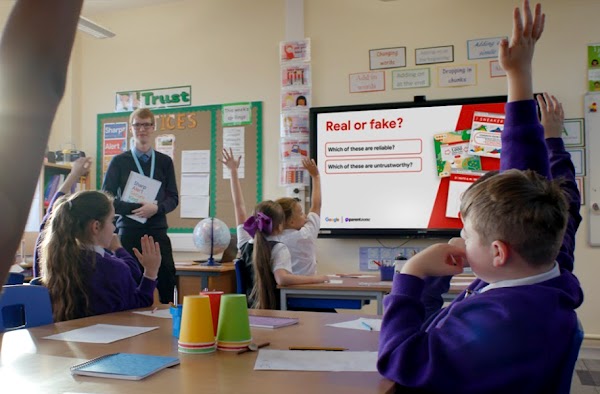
pixel 234 325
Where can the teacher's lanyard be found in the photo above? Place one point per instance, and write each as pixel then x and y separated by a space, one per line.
pixel 139 167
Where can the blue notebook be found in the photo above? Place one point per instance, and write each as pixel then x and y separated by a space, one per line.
pixel 124 366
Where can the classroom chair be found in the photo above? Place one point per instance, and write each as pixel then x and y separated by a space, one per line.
pixel 15 278
pixel 24 306
pixel 566 375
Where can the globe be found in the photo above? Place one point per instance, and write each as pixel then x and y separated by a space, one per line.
pixel 211 236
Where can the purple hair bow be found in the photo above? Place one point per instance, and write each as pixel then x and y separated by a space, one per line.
pixel 258 222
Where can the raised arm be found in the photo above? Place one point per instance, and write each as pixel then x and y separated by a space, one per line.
pixel 236 189
pixel 34 55
pixel 515 56
pixel 523 145
pixel 80 167
pixel 561 167
pixel 315 197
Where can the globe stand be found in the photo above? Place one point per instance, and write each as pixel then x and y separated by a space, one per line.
pixel 211 261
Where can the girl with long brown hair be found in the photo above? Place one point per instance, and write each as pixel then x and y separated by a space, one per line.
pixel 83 264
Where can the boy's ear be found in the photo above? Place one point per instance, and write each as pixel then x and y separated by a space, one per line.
pixel 500 253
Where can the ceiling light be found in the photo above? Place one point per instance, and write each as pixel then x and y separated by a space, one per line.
pixel 93 29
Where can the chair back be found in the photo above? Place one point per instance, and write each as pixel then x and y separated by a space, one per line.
pixel 566 374
pixel 24 306
pixel 15 278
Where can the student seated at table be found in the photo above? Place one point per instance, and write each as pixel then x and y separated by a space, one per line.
pixel 511 330
pixel 82 276
pixel 258 240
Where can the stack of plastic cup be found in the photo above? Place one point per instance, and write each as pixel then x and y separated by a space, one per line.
pixel 215 303
pixel 233 332
pixel 196 334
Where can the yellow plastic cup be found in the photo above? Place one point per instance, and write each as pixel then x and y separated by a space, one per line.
pixel 196 320
pixel 234 325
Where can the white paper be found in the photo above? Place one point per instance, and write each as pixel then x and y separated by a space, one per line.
pixel 358 325
pixel 140 188
pixel 316 360
pixel 233 138
pixel 100 333
pixel 455 192
pixel 195 184
pixel 165 144
pixel 336 281
pixel 161 313
pixel 194 206
pixel 195 161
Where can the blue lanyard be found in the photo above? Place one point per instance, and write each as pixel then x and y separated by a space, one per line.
pixel 139 167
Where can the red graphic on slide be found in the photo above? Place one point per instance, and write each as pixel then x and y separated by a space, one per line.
pixel 438 217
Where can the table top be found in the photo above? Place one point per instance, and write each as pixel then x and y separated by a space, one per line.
pixel 197 267
pixel 374 283
pixel 25 352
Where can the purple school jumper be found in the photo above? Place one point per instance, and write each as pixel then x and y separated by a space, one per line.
pixel 505 340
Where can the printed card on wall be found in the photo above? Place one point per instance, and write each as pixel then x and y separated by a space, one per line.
pixel 165 144
pixel 485 134
pixel 452 152
pixel 294 149
pixel 295 99
pixel 233 138
pixel 295 75
pixel 115 141
pixel 293 173
pixel 593 62
pixel 294 123
pixel 373 81
pixel 291 51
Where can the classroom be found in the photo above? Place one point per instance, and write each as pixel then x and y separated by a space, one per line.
pixel 228 52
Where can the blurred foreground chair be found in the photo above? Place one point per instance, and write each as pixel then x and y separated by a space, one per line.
pixel 24 306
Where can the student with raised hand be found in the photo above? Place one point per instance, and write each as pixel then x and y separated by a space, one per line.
pixel 562 169
pixel 258 241
pixel 82 276
pixel 301 231
pixel 79 168
pixel 34 56
pixel 512 329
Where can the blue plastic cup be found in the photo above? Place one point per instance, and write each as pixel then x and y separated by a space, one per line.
pixel 387 272
pixel 176 314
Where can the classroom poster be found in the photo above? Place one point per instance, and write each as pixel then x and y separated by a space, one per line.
pixel 593 62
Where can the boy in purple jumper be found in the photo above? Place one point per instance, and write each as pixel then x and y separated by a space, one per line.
pixel 511 330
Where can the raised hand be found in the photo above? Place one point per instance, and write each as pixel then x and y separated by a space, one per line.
pixel 310 166
pixel 150 257
pixel 527 29
pixel 230 161
pixel 552 115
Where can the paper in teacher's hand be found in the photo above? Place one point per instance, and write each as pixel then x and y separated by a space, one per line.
pixel 140 189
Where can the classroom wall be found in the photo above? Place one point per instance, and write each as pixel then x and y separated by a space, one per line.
pixel 228 51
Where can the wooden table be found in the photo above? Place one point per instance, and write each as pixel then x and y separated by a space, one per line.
pixel 191 279
pixel 40 365
pixel 363 289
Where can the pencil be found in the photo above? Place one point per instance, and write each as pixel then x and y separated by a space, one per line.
pixel 334 349
pixel 367 326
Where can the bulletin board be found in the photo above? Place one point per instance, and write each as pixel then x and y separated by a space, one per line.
pixel 194 128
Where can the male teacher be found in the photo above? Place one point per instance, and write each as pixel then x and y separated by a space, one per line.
pixel 148 162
